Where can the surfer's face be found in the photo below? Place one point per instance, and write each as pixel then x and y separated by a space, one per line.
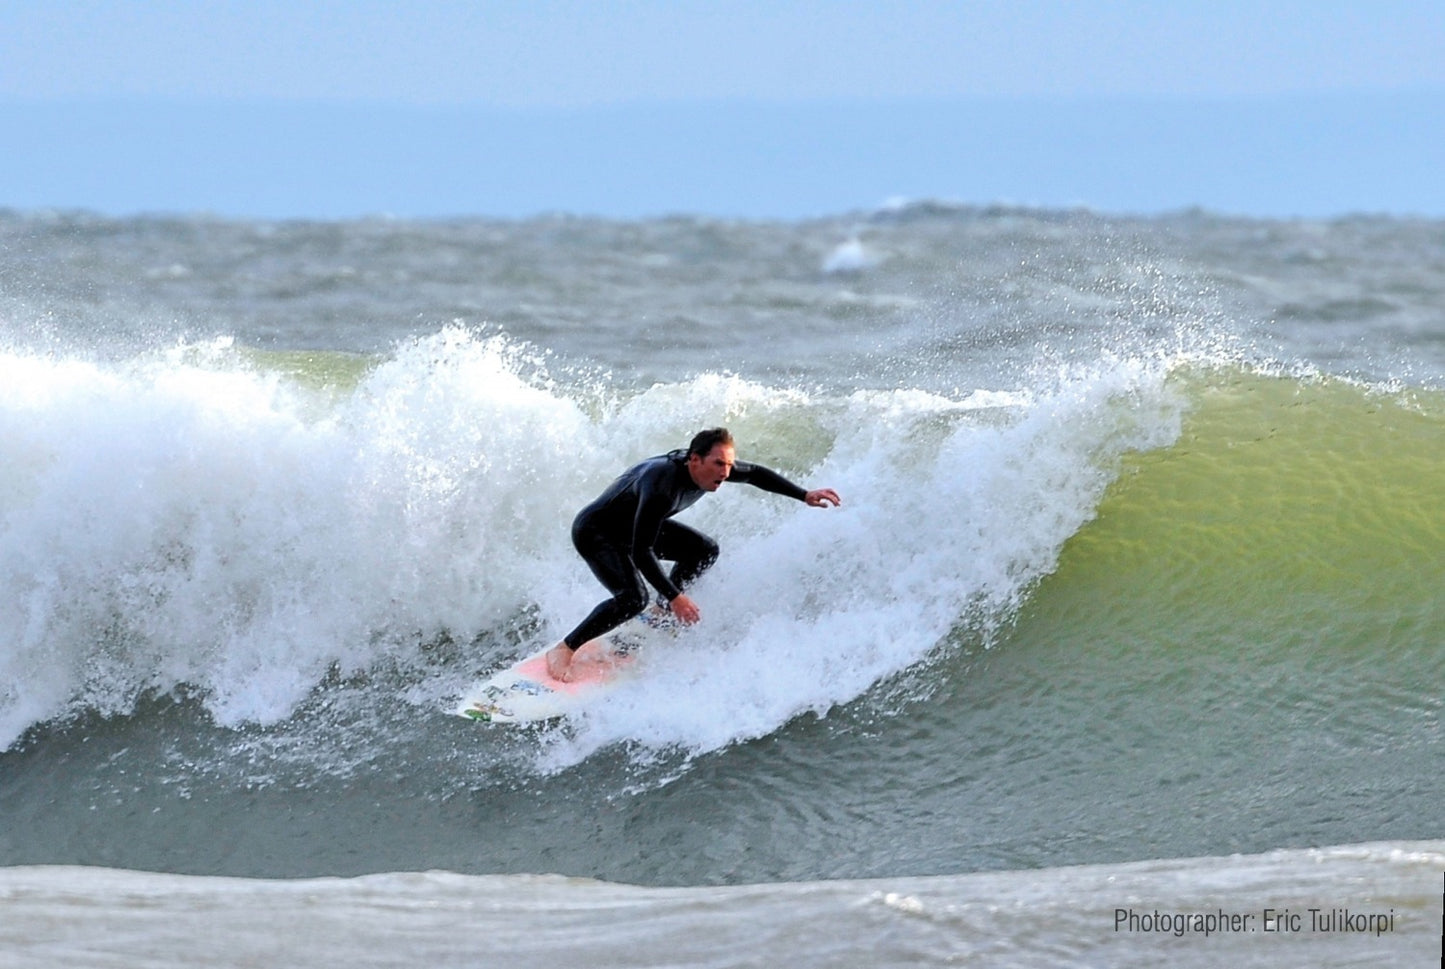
pixel 708 473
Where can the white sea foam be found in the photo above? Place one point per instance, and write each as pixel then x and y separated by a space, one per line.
pixel 170 522
pixel 849 257
pixel 1067 916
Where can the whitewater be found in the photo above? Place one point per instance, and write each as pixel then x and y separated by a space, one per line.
pixel 1131 605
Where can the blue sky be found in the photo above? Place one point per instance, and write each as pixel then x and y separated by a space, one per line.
pixel 781 109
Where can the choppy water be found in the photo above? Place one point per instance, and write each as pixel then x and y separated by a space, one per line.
pixel 1139 561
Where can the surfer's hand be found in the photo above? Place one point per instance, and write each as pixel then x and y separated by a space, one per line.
pixel 823 498
pixel 685 610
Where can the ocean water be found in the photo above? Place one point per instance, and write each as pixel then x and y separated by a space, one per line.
pixel 1132 604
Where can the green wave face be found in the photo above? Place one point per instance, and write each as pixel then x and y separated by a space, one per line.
pixel 1312 508
pixel 1257 606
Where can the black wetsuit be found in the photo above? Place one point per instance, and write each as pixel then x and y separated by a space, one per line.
pixel 628 528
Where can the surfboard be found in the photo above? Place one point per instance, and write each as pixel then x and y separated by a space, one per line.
pixel 524 693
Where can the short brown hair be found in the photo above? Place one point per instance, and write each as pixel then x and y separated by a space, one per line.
pixel 704 441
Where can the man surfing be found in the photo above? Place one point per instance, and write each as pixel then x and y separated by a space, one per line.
pixel 629 527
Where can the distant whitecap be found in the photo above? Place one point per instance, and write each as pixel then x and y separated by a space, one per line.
pixel 849 257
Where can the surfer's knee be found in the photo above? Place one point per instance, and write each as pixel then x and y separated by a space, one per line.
pixel 710 552
pixel 704 553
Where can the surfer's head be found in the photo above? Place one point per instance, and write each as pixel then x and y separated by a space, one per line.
pixel 710 458
pixel 704 441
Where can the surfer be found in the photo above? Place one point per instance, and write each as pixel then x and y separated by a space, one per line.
pixel 629 527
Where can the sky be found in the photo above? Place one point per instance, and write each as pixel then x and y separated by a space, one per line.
pixel 779 109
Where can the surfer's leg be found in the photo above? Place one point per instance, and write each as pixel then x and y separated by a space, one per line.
pixel 614 569
pixel 690 551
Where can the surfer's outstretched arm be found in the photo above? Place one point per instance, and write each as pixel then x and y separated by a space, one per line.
pixel 760 476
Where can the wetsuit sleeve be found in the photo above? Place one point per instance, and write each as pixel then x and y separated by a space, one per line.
pixel 653 506
pixel 766 479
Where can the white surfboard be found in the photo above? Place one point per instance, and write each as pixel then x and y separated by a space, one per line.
pixel 524 693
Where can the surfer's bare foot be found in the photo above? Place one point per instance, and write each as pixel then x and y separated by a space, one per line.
pixel 559 662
